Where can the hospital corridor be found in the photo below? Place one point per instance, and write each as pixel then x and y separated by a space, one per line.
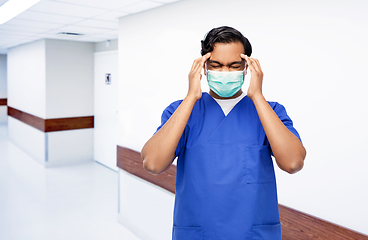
pixel 183 120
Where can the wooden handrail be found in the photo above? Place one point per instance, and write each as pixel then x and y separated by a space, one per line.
pixel 53 124
pixel 3 101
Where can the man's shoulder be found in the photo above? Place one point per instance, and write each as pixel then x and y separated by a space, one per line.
pixel 274 104
pixel 173 106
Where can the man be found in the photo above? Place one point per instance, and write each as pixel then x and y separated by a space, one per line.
pixel 224 139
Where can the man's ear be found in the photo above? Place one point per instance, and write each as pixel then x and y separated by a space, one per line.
pixel 205 68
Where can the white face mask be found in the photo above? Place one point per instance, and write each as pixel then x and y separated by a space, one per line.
pixel 225 84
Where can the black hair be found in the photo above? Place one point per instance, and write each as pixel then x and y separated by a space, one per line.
pixel 224 35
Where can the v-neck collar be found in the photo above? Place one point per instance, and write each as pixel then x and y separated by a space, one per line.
pixel 219 106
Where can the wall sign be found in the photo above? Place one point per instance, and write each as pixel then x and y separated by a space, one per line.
pixel 108 78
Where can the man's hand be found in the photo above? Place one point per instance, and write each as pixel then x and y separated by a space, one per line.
pixel 195 76
pixel 255 86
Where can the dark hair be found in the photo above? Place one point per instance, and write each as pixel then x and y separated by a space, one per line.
pixel 224 35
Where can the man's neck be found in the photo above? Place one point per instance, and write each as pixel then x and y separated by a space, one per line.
pixel 214 95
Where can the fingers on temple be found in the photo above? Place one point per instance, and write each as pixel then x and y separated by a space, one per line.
pixel 198 64
pixel 254 64
pixel 258 65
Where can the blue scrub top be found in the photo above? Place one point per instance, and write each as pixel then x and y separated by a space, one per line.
pixel 225 180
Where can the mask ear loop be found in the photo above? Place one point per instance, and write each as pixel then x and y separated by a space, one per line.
pixel 245 71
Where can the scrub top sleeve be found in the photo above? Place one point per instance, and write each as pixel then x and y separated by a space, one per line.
pixel 167 113
pixel 281 113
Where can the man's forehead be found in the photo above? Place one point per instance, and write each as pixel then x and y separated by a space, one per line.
pixel 226 53
pixel 228 47
pixel 225 61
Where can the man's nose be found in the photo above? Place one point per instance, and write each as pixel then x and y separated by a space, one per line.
pixel 225 69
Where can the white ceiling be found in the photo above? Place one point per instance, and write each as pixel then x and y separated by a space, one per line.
pixel 97 20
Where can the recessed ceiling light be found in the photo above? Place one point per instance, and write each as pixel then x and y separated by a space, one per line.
pixel 13 8
pixel 70 34
pixel 166 1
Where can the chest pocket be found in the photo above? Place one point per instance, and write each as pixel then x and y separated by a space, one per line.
pixel 258 164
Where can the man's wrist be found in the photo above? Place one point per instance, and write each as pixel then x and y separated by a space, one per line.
pixel 191 98
pixel 257 97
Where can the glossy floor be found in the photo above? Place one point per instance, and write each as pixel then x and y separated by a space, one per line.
pixel 70 202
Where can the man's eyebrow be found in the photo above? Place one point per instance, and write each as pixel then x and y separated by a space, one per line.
pixel 213 61
pixel 236 62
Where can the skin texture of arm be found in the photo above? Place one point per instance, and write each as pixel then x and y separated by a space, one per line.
pixel 289 152
pixel 159 151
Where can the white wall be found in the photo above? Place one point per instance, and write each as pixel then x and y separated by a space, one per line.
pixel 3 88
pixel 31 140
pixel 27 92
pixel 69 78
pixel 69 93
pixel 3 73
pixel 27 78
pixel 313 54
pixel 52 79
pixel 134 206
pixel 69 147
pixel 53 148
pixel 3 115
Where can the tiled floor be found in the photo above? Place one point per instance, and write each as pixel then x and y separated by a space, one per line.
pixel 70 202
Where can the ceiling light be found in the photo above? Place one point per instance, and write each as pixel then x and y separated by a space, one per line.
pixel 166 1
pixel 70 33
pixel 13 8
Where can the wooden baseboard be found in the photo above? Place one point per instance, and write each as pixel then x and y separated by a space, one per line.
pixel 52 125
pixel 295 225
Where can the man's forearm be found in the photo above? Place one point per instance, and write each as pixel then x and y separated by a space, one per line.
pixel 159 151
pixel 286 147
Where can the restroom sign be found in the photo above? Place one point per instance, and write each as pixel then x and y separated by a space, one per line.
pixel 108 78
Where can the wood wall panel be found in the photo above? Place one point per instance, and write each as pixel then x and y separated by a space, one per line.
pixel 3 101
pixel 131 161
pixel 29 119
pixel 54 124
pixel 295 225
pixel 61 124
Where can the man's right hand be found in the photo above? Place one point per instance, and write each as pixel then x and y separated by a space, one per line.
pixel 195 76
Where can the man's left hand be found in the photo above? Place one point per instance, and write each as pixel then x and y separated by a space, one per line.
pixel 255 86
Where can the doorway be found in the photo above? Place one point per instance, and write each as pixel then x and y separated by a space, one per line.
pixel 106 108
